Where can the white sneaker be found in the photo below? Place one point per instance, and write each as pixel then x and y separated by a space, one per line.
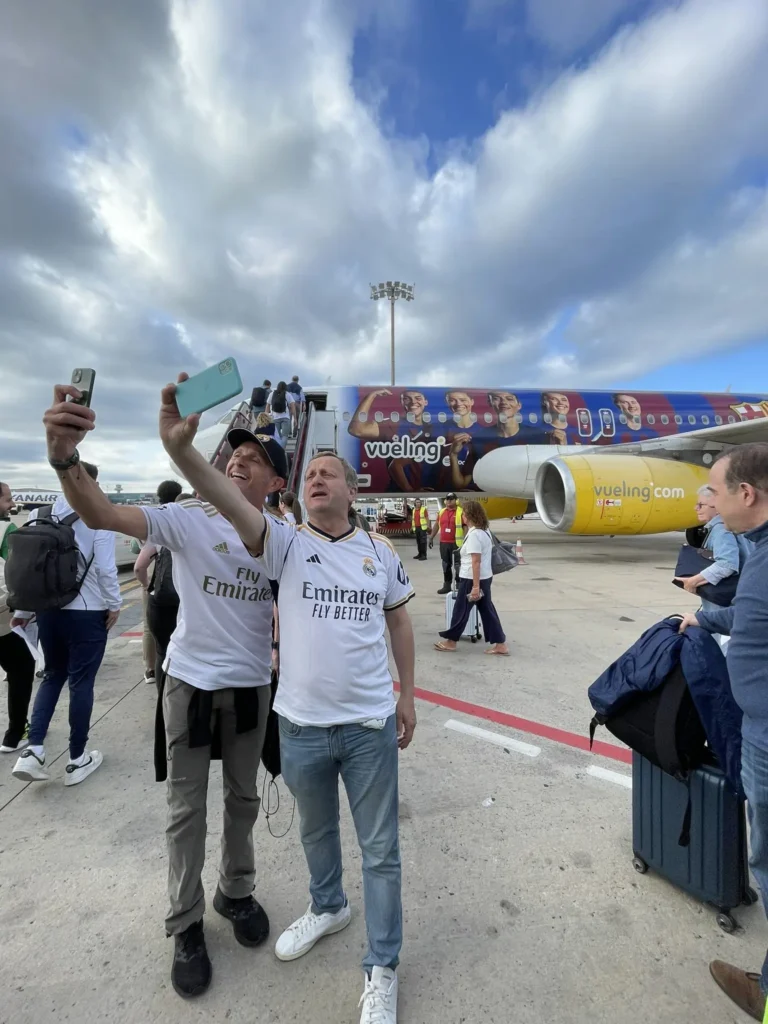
pixel 5 749
pixel 149 676
pixel 30 767
pixel 379 998
pixel 304 933
pixel 83 767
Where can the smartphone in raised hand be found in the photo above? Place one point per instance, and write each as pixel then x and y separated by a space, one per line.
pixel 83 379
pixel 209 388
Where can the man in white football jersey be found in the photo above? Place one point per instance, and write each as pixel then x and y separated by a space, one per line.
pixel 340 590
pixel 218 671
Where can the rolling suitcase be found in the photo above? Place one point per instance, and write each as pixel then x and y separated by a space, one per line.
pixel 713 867
pixel 472 628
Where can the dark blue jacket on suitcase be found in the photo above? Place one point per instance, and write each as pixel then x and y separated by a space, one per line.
pixel 646 665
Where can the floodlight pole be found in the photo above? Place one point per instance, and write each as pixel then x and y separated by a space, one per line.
pixel 392 291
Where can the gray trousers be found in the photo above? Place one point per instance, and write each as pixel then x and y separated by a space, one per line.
pixel 187 793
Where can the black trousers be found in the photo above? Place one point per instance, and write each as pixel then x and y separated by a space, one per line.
pixel 451 558
pixel 494 634
pixel 421 542
pixel 19 666
pixel 162 622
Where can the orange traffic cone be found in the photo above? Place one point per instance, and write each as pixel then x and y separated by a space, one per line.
pixel 519 552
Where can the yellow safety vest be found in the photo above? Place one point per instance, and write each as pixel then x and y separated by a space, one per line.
pixel 420 519
pixel 459 536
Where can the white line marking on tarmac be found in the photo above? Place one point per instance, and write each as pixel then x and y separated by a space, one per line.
pixel 617 778
pixel 493 737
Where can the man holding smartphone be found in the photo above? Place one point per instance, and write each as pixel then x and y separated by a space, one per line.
pixel 218 674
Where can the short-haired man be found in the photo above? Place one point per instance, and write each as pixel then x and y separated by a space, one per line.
pixel 218 669
pixel 15 658
pixel 738 482
pixel 74 639
pixel 450 525
pixel 339 590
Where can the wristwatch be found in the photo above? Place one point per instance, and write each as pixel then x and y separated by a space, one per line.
pixel 60 465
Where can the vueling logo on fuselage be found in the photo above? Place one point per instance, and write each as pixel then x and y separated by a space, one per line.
pixel 246 589
pixel 340 602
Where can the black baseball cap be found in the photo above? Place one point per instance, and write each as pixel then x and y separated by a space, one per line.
pixel 272 448
pixel 451 497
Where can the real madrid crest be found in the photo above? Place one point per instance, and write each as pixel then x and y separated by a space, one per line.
pixel 369 568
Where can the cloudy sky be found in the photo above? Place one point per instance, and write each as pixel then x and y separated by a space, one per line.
pixel 578 188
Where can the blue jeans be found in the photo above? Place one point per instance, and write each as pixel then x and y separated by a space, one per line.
pixel 312 760
pixel 283 430
pixel 754 778
pixel 73 644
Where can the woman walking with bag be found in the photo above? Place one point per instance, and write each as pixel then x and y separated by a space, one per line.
pixel 475 578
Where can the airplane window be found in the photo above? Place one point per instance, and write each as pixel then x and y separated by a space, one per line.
pixel 379 417
pixel 718 420
pixel 623 420
pixel 347 415
pixel 678 420
pixel 547 417
pixel 442 417
pixel 502 417
pixel 488 418
pixel 427 417
pixel 651 419
pixel 705 420
pixel 691 419
pixel 533 418
pixel 665 420
pixel 228 416
pixel 731 419
pixel 473 417
pixel 395 417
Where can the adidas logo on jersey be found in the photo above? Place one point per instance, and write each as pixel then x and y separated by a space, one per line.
pixel 222 548
pixel 315 559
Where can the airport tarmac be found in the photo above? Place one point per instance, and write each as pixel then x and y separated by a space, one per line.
pixel 520 899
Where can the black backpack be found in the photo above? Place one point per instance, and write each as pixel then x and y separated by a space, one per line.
pixel 259 396
pixel 279 401
pixel 664 727
pixel 161 588
pixel 45 568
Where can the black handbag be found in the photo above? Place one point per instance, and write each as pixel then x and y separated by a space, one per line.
pixel 691 561
pixel 503 557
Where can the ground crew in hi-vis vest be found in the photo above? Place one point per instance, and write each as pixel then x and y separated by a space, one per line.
pixel 450 526
pixel 421 529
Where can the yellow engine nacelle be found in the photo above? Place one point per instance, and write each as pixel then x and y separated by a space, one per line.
pixel 500 508
pixel 617 494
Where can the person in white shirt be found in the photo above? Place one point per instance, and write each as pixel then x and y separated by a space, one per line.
pixel 74 639
pixel 281 406
pixel 340 591
pixel 475 578
pixel 218 673
pixel 290 508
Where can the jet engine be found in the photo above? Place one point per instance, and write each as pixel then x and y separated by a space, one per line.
pixel 601 494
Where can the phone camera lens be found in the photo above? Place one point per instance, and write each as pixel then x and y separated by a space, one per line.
pixel 77 377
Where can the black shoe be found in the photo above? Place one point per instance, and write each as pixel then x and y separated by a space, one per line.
pixel 444 590
pixel 422 558
pixel 191 971
pixel 249 920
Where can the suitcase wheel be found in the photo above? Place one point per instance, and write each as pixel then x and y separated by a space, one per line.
pixel 473 639
pixel 750 897
pixel 639 865
pixel 727 922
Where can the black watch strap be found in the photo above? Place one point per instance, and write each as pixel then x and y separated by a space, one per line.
pixel 63 464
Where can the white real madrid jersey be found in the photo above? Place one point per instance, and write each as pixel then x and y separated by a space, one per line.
pixel 334 667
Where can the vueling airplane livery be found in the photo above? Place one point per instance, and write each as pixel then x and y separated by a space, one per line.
pixel 591 462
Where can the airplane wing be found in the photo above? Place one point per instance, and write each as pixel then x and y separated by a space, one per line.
pixel 743 432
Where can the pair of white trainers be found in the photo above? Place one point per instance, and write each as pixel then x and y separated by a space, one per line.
pixel 379 998
pixel 30 766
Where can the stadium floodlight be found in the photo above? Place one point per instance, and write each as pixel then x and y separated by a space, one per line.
pixel 392 291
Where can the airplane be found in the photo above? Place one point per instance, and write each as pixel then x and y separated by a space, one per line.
pixel 589 462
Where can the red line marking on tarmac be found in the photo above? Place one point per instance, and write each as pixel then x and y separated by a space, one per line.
pixel 131 634
pixel 548 732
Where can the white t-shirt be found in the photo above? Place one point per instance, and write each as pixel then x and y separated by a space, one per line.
pixel 477 542
pixel 334 666
pixel 289 401
pixel 223 635
pixel 290 517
